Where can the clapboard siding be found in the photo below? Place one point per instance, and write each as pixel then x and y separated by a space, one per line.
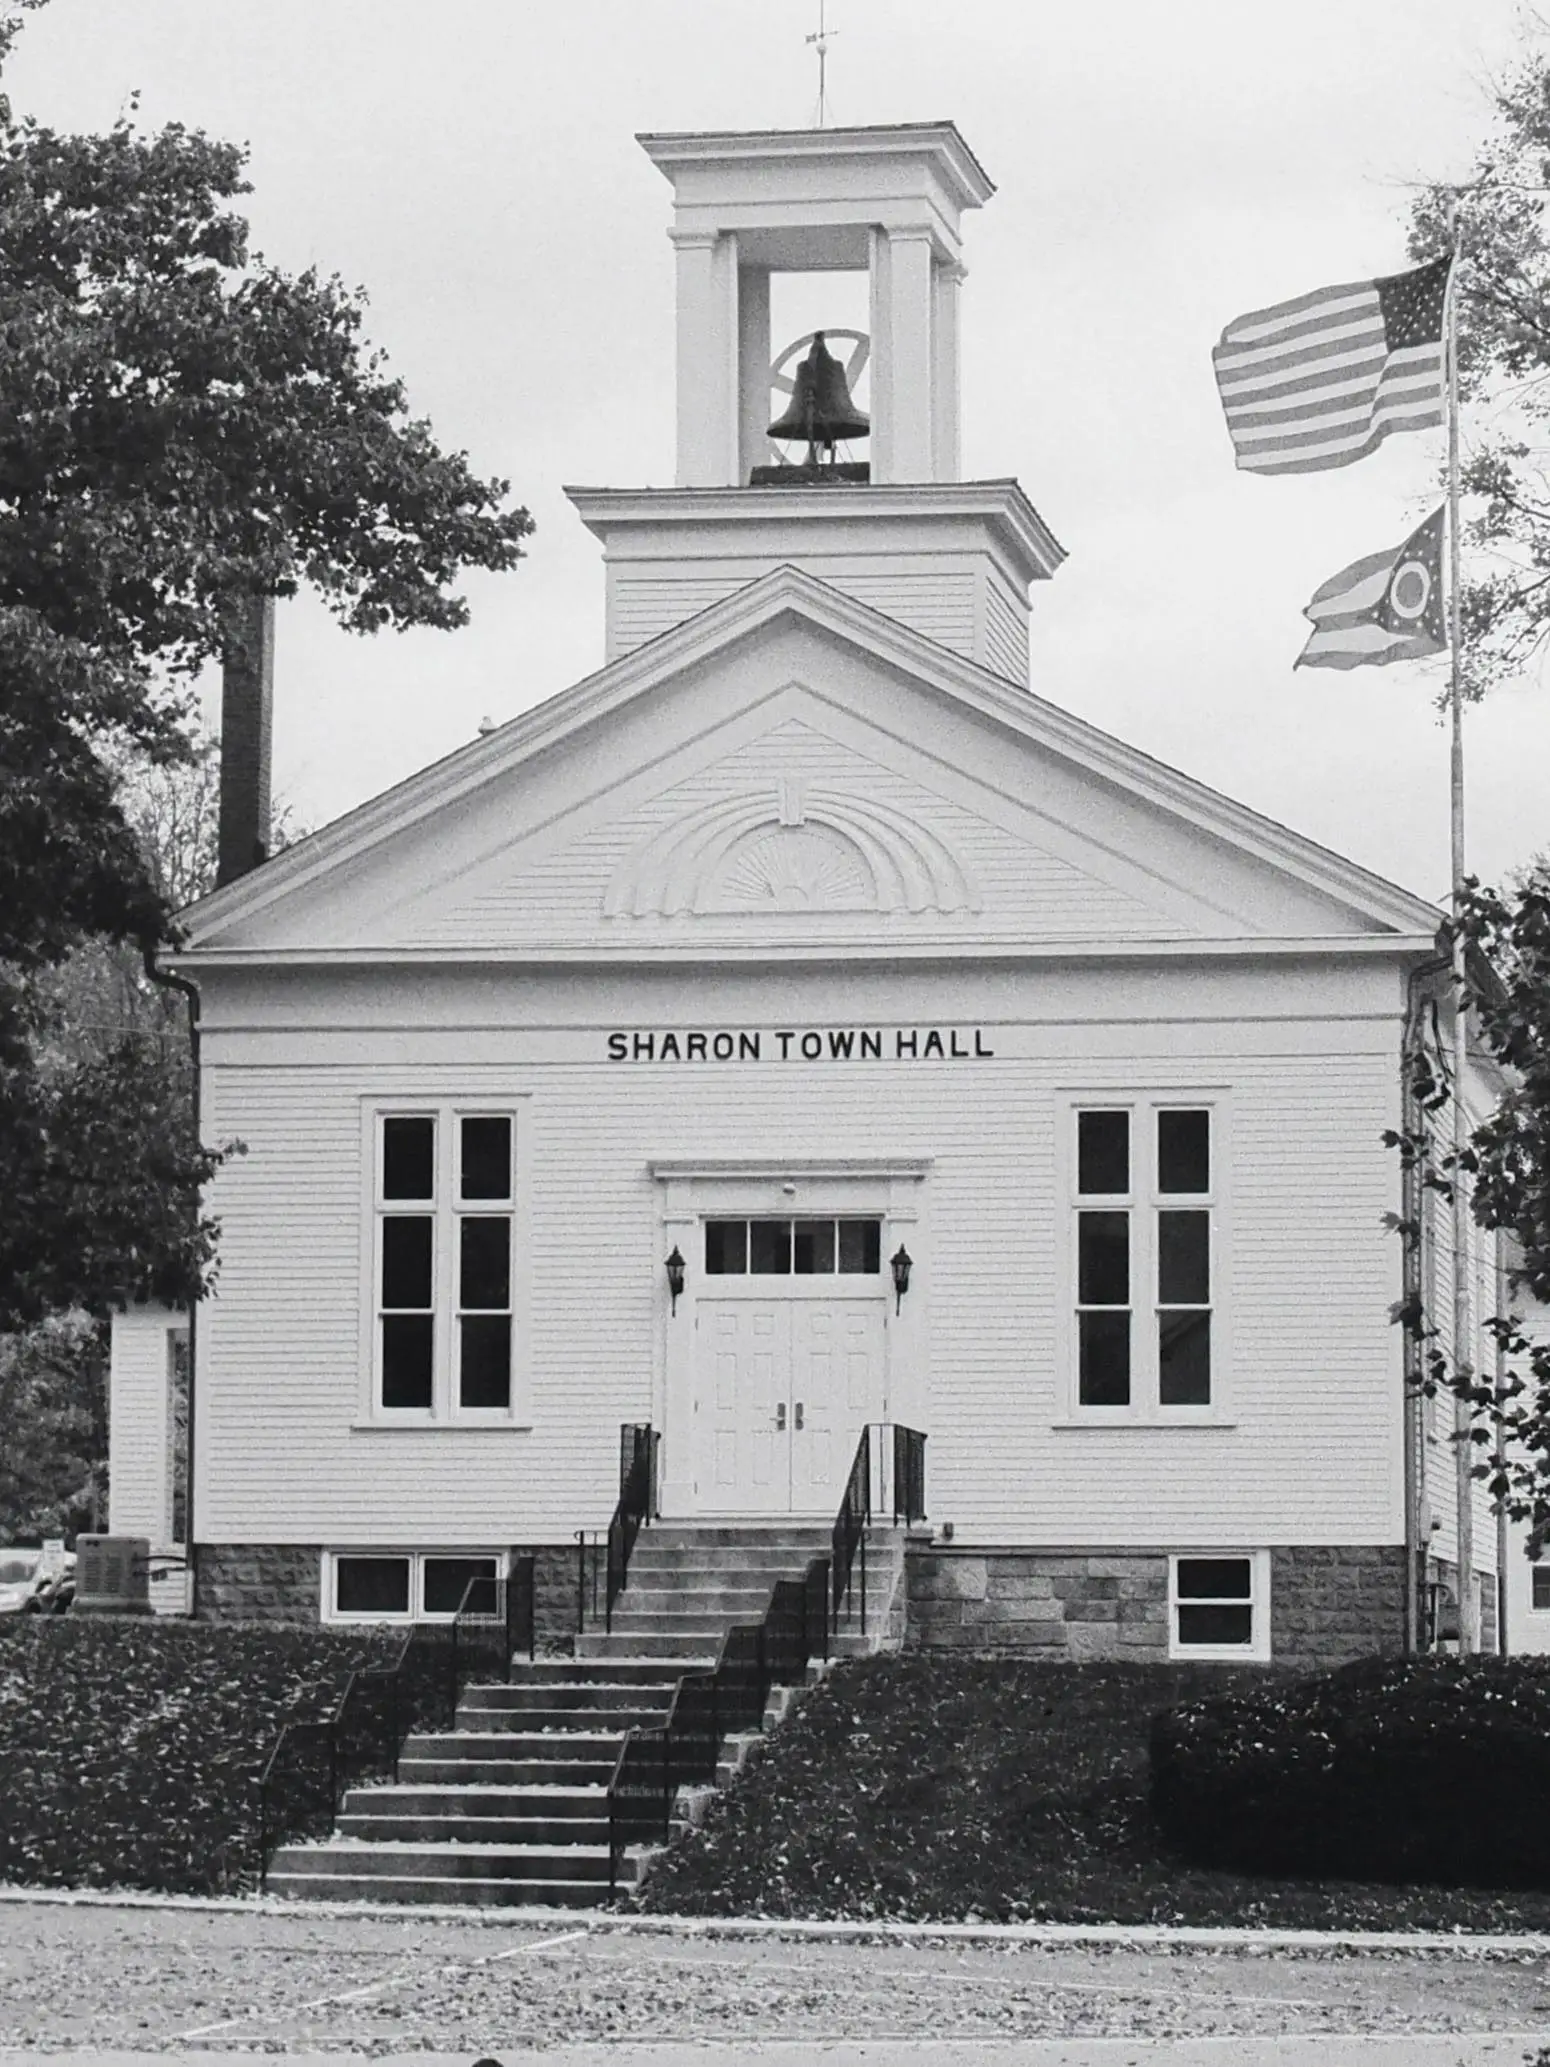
pixel 1314 1452
pixel 139 1439
pixel 1019 889
pixel 1441 1484
pixel 524 855
pixel 1006 630
pixel 939 602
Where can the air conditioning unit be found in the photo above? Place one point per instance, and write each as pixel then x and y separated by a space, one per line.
pixel 112 1575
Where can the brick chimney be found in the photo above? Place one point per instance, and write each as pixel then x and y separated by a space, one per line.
pixel 247 721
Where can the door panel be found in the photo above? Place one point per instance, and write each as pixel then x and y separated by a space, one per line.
pixel 743 1353
pixel 837 1383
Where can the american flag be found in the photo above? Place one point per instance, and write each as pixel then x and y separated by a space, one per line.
pixel 1322 380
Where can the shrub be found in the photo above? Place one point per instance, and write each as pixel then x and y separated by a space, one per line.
pixel 1418 1769
pixel 130 1751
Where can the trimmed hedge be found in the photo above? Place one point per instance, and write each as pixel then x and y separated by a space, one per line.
pixel 1419 1769
pixel 130 1750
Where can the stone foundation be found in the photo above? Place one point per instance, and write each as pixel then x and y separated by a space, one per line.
pixel 1028 1603
pixel 1327 1605
pixel 554 1594
pixel 281 1582
pixel 259 1582
pixel 1331 1604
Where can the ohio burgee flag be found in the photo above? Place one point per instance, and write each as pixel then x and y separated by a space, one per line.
pixel 1386 607
pixel 1322 380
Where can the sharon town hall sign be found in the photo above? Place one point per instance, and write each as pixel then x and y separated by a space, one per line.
pixel 804 1044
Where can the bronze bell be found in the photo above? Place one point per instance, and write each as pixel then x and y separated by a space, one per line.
pixel 820 409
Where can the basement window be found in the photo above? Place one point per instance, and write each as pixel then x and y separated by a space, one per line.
pixel 406 1585
pixel 1219 1606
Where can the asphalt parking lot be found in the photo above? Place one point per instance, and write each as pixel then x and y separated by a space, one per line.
pixel 92 1981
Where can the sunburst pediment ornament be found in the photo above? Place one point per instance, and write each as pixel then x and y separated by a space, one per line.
pixel 806 848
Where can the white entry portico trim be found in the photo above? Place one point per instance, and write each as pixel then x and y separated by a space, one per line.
pixel 692 1189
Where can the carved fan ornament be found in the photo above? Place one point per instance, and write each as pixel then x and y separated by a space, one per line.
pixel 792 868
pixel 802 849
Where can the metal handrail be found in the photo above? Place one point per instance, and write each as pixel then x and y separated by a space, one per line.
pixel 494 1620
pixel 686 1746
pixel 637 1506
pixel 381 1704
pixel 907 1492
pixel 850 1526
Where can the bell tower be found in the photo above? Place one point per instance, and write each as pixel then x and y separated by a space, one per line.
pixel 891 522
pixel 885 202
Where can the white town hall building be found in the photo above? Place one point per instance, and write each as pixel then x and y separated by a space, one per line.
pixel 984 1076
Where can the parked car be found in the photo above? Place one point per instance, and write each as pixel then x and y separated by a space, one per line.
pixel 22 1572
pixel 55 1590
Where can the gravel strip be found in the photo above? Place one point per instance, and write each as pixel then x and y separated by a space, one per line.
pixel 156 1980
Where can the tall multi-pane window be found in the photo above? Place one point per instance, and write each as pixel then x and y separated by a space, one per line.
pixel 443 1262
pixel 1183 1258
pixel 1143 1219
pixel 1103 1259
pixel 483 1218
pixel 406 1262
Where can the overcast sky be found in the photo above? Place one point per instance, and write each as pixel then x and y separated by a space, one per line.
pixel 1161 168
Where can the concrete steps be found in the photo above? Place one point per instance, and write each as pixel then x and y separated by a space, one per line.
pixel 511 1805
pixel 337 1884
pixel 487 1874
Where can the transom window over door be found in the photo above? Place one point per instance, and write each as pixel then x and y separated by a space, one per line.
pixel 1143 1218
pixel 793 1248
pixel 443 1263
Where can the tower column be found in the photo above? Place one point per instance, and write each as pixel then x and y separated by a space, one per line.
pixel 909 310
pixel 946 278
pixel 880 322
pixel 707 358
pixel 753 366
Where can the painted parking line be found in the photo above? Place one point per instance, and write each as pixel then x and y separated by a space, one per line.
pixel 398 1980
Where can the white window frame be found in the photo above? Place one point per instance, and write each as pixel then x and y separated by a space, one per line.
pixel 1142 1204
pixel 416 1560
pixel 446 1209
pixel 1535 1566
pixel 1257 1650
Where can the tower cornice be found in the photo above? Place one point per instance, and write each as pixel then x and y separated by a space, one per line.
pixel 940 142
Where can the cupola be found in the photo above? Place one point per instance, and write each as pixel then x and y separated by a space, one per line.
pixel 894 525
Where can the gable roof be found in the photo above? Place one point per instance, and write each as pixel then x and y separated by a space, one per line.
pixel 790 595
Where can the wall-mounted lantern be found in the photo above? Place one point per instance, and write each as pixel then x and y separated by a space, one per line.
pixel 899 1263
pixel 674 1267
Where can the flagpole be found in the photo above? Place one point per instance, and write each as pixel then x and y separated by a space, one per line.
pixel 1463 1449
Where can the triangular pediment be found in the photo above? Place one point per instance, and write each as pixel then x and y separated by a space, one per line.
pixel 792 770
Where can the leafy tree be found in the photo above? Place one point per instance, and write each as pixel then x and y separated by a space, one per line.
pixel 181 423
pixel 54 1410
pixel 1507 1168
pixel 113 1049
pixel 1504 354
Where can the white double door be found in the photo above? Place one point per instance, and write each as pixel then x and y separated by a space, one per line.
pixel 785 1381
